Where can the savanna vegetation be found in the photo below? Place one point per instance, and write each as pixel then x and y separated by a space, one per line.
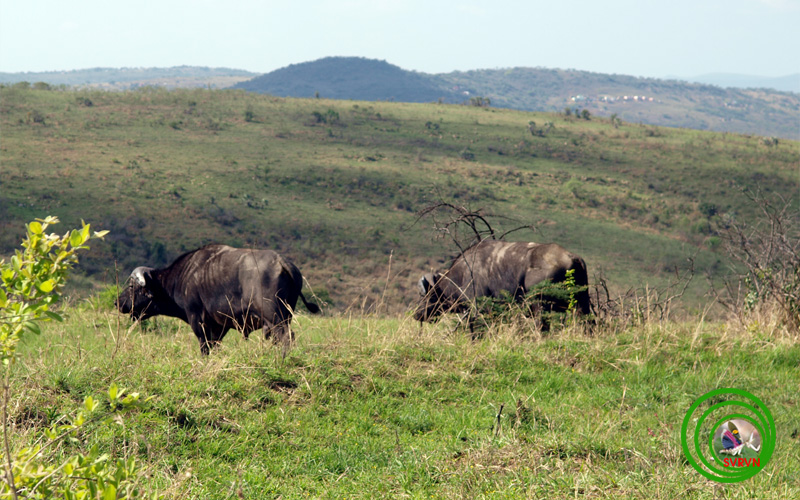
pixel 335 185
pixel 367 404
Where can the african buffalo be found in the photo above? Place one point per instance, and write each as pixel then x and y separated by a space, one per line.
pixel 490 267
pixel 216 288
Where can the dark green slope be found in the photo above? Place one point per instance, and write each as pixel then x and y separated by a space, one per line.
pixel 335 184
pixel 349 78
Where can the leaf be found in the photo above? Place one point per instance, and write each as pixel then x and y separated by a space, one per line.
pixel 53 316
pixel 75 238
pixel 110 492
pixel 90 404
pixel 33 327
pixel 130 399
pixel 100 234
pixel 35 227
pixel 112 392
pixel 85 233
pixel 47 286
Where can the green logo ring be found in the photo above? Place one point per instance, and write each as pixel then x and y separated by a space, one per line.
pixel 764 424
pixel 739 473
pixel 727 417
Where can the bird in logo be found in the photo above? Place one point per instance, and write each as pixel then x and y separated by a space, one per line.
pixel 731 441
pixel 734 441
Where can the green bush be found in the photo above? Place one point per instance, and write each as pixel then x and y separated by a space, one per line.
pixel 31 282
pixel 545 299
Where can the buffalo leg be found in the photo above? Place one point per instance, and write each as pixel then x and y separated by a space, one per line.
pixel 280 332
pixel 207 335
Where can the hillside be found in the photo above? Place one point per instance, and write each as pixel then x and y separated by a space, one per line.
pixel 335 184
pixel 130 78
pixel 638 100
pixel 349 78
pixel 789 83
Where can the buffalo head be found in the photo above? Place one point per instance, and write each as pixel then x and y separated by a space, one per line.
pixel 434 301
pixel 137 298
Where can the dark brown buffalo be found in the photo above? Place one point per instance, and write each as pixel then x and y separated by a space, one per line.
pixel 216 288
pixel 491 267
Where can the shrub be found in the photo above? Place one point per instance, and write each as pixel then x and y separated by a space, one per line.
pixel 767 257
pixel 546 300
pixel 30 284
pixel 467 154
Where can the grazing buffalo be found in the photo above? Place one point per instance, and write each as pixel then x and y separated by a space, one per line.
pixel 491 267
pixel 216 288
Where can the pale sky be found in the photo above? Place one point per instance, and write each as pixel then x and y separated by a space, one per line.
pixel 675 38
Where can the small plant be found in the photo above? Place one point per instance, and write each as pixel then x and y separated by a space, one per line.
pixel 480 102
pixel 90 475
pixel 36 117
pixel 770 142
pixel 32 279
pixel 30 283
pixel 553 303
pixel 467 154
pixel 331 117
pixel 540 132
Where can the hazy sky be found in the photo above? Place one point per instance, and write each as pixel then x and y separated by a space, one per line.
pixel 680 38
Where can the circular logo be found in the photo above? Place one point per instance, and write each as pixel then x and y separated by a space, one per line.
pixel 738 429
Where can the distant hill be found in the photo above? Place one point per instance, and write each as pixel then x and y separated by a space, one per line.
pixel 350 78
pixel 651 101
pixel 789 83
pixel 127 78
pixel 673 103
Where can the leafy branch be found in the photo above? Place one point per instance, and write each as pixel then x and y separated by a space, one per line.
pixel 30 284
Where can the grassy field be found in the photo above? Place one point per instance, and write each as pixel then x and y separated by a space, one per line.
pixel 367 407
pixel 335 185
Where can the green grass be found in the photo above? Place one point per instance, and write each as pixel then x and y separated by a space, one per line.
pixel 368 406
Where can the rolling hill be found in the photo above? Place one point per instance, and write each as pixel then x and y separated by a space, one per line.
pixel 336 184
pixel 350 78
pixel 646 100
pixel 130 78
pixel 789 83
pixel 672 103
